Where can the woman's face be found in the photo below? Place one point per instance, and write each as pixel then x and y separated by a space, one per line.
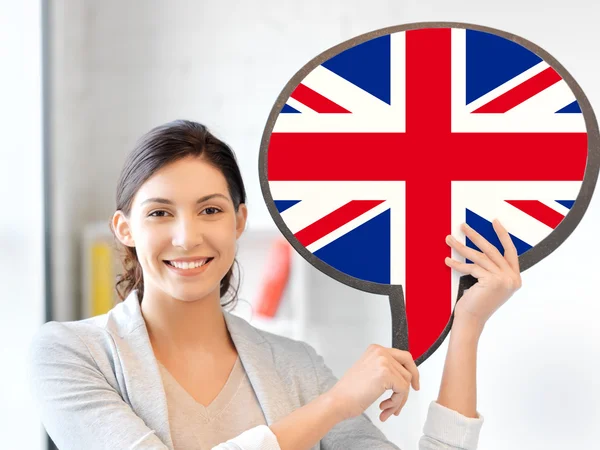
pixel 183 212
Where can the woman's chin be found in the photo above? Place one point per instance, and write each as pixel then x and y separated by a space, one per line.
pixel 192 295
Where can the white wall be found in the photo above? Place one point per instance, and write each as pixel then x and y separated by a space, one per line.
pixel 120 68
pixel 21 222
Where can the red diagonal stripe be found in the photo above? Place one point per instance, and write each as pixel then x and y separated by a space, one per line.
pixel 334 220
pixel 316 101
pixel 539 211
pixel 522 92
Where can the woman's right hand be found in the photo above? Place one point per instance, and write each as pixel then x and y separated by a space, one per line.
pixel 378 369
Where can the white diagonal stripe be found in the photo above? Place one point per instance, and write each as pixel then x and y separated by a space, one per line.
pixel 342 92
pixel 300 106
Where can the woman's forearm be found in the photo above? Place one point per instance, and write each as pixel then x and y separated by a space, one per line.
pixel 307 425
pixel 458 390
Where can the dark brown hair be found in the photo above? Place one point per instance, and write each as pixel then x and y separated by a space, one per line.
pixel 159 147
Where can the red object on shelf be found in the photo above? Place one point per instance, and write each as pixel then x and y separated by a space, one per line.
pixel 275 278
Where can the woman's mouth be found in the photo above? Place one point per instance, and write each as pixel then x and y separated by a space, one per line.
pixel 188 268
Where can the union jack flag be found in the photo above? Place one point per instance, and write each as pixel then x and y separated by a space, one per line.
pixel 384 149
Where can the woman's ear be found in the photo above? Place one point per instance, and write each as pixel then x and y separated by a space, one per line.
pixel 122 229
pixel 241 217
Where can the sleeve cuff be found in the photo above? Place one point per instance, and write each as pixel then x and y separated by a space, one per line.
pixel 257 438
pixel 452 428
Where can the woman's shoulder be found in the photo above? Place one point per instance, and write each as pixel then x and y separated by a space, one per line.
pixel 64 332
pixel 96 333
pixel 83 349
pixel 70 342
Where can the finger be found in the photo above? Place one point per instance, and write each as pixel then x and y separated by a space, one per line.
pixel 406 361
pixel 488 249
pixel 393 402
pixel 467 269
pixel 402 382
pixel 401 406
pixel 472 254
pixel 401 371
pixel 386 414
pixel 510 251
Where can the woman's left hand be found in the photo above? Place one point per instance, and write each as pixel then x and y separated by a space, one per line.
pixel 498 277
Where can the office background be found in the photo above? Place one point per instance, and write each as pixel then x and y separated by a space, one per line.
pixel 82 80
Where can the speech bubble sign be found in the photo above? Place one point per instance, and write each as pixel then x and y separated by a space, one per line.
pixel 381 146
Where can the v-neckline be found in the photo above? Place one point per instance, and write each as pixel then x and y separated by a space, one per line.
pixel 222 399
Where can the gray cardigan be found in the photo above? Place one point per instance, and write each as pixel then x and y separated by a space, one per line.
pixel 97 386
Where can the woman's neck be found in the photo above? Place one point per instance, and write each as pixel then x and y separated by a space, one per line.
pixel 178 327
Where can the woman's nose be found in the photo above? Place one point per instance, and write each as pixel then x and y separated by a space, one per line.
pixel 188 234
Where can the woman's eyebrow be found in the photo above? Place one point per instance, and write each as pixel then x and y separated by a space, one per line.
pixel 169 202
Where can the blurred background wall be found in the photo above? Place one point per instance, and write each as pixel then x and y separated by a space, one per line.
pixel 22 227
pixel 116 69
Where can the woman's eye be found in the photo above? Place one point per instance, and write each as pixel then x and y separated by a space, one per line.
pixel 212 208
pixel 157 214
pixel 209 211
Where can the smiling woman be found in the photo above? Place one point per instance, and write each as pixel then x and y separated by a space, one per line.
pixel 169 367
pixel 179 186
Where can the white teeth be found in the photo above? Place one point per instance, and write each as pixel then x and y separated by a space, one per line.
pixel 186 265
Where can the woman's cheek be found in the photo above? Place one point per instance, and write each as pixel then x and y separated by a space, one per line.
pixel 156 243
pixel 226 248
pixel 226 244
